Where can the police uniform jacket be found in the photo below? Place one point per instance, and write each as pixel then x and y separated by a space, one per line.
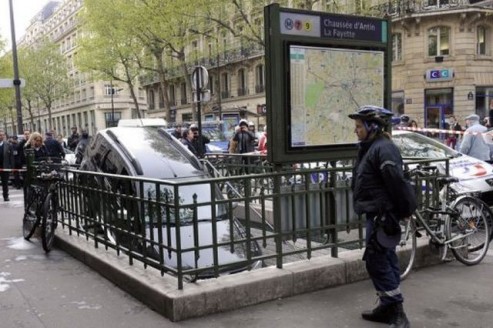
pixel 7 156
pixel 378 180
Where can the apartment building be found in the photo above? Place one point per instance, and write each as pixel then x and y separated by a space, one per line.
pixel 91 105
pixel 442 64
pixel 442 59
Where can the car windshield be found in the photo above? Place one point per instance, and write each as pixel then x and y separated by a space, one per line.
pixel 214 134
pixel 159 156
pixel 415 145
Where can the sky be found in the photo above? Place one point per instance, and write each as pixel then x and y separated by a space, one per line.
pixel 24 10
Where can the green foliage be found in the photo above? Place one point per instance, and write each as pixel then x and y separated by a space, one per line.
pixel 45 70
pixel 7 95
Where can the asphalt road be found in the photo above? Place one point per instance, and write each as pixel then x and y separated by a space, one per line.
pixel 55 290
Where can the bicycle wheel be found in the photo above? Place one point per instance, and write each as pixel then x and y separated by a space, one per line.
pixel 468 230
pixel 49 222
pixel 30 220
pixel 406 249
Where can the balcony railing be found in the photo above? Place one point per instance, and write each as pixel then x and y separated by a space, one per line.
pixel 259 88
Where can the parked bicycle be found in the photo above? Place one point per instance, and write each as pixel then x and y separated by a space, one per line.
pixel 41 206
pixel 460 225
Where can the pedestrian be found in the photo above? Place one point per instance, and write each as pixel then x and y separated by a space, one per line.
pixel 37 145
pixel 405 121
pixel 245 138
pixel 17 151
pixel 262 141
pixel 54 148
pixel 381 193
pixel 454 127
pixel 232 144
pixel 473 143
pixel 177 132
pixel 73 139
pixel 81 146
pixel 62 141
pixel 187 140
pixel 199 141
pixel 6 162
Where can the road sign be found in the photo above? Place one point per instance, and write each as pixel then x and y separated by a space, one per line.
pixel 9 83
pixel 200 76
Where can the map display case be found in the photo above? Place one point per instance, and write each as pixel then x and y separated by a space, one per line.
pixel 321 67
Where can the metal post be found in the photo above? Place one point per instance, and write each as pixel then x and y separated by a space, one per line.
pixel 218 81
pixel 112 106
pixel 17 82
pixel 199 114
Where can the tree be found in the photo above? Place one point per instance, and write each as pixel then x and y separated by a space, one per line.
pixel 7 96
pixel 28 93
pixel 45 70
pixel 110 50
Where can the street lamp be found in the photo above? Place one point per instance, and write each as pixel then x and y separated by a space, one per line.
pixel 112 92
pixel 17 82
pixel 218 68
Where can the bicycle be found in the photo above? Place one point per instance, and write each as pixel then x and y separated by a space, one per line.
pixel 460 225
pixel 41 208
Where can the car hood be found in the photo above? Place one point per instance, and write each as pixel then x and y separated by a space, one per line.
pixel 230 253
pixel 466 167
pixel 217 146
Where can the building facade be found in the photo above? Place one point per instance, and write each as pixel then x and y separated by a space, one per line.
pixel 91 105
pixel 442 64
pixel 442 60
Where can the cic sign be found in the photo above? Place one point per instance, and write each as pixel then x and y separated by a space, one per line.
pixel 439 75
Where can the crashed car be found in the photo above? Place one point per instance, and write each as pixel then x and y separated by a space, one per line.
pixel 475 176
pixel 151 152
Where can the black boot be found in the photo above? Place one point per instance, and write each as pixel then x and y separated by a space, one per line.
pixel 399 318
pixel 382 313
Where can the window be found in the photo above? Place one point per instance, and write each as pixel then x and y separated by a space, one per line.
pixel 482 36
pixel 183 90
pixel 396 47
pixel 259 79
pixel 438 41
pixel 225 86
pixel 242 83
pixel 211 84
pixel 186 117
pixel 172 98
pixel 438 3
pixel 150 99
pixel 108 89
pixel 109 118
pixel 161 98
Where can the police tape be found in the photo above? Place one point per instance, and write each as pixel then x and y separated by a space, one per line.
pixel 433 130
pixel 12 170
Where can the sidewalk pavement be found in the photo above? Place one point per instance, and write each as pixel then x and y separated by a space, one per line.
pixel 57 291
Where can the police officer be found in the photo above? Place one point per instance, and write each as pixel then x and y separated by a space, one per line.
pixel 378 188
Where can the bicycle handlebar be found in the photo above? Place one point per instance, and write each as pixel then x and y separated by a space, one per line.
pixel 422 171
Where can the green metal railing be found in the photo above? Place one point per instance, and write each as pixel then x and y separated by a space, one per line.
pixel 244 216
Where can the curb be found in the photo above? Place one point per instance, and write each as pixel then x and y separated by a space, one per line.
pixel 227 292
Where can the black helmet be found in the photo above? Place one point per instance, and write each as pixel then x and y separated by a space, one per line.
pixel 405 119
pixel 370 113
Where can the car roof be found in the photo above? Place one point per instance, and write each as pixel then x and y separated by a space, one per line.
pixel 154 153
pixel 159 122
